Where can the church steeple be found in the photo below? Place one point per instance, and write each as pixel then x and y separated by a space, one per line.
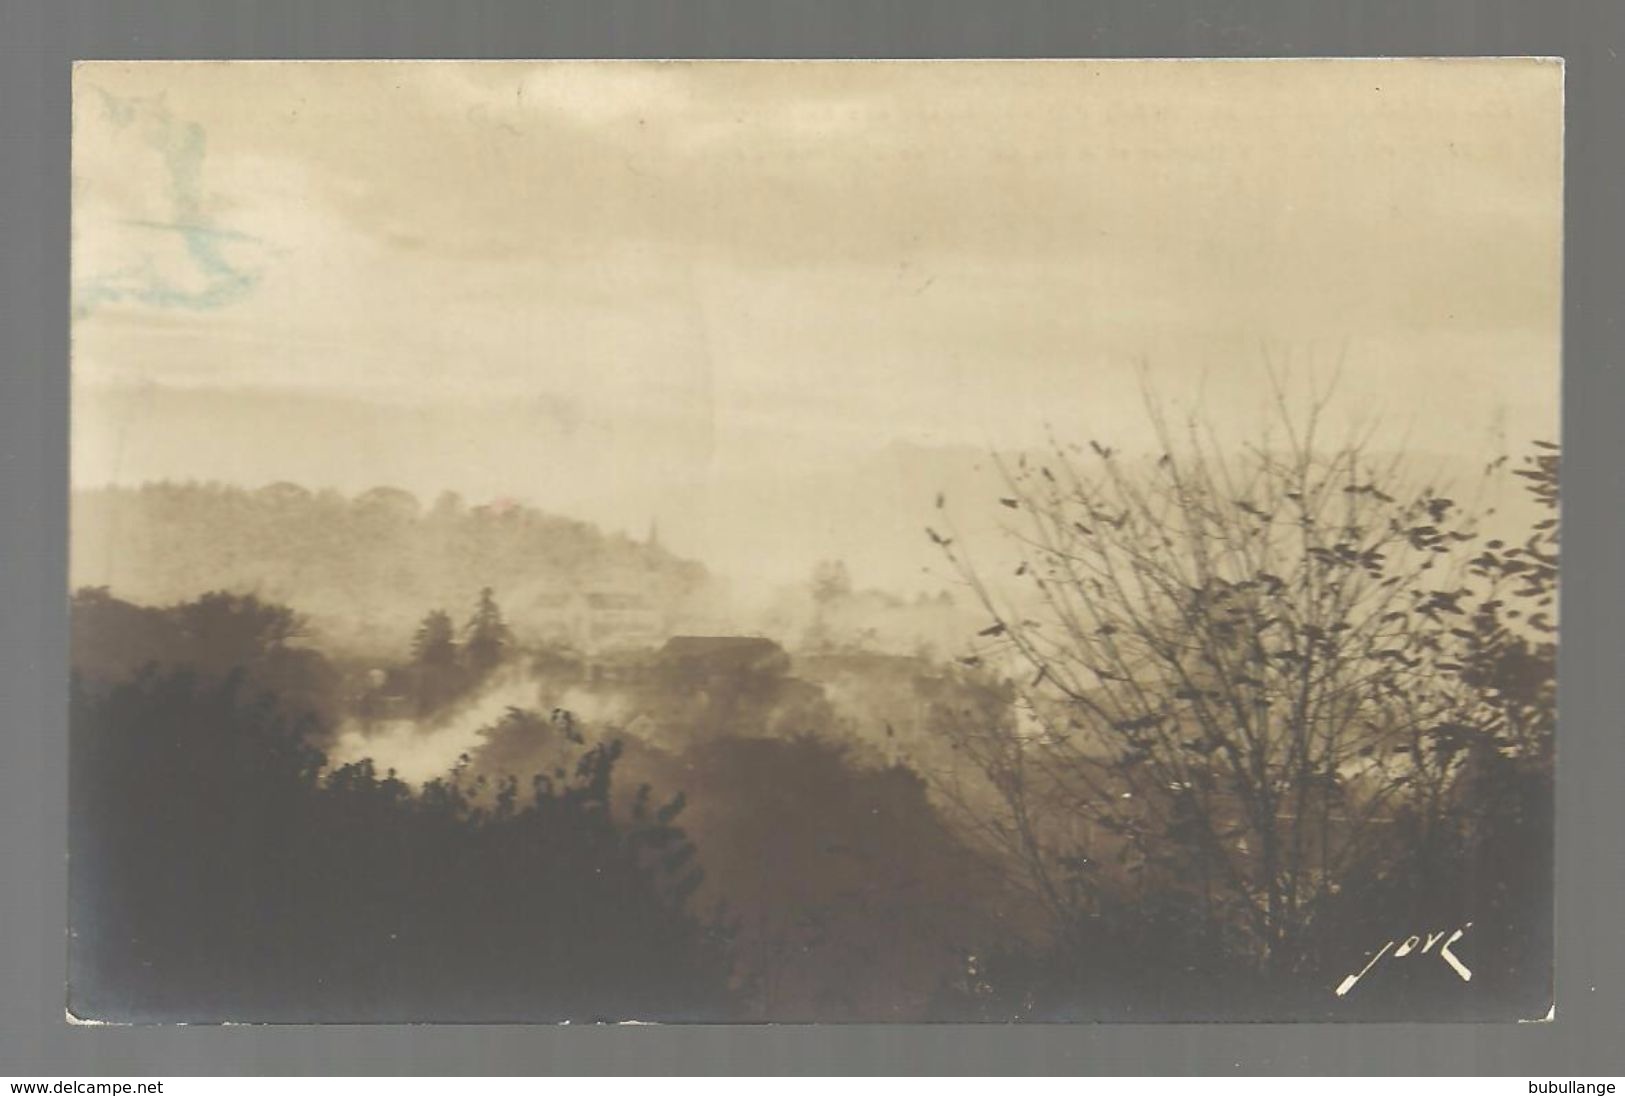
pixel 654 534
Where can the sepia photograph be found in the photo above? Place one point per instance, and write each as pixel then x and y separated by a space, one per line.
pixel 839 542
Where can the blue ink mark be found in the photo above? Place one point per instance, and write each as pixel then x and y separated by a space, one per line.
pixel 216 278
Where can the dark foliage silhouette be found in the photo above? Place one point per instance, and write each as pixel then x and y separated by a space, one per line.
pixel 849 894
pixel 1480 849
pixel 1267 711
pixel 216 634
pixel 220 873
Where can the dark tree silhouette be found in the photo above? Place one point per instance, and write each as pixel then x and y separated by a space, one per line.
pixel 1479 849
pixel 1236 680
pixel 435 643
pixel 440 676
pixel 488 638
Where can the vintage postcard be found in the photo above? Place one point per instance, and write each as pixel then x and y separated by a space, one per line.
pixel 843 542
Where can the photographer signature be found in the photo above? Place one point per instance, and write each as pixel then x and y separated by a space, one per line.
pixel 1410 947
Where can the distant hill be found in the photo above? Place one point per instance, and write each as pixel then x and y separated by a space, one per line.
pixel 363 569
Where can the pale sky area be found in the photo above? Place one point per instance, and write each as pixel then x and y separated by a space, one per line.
pixel 734 298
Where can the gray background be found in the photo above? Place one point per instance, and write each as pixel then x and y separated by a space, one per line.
pixel 39 39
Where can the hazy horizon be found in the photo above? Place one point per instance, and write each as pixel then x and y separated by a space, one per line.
pixel 677 293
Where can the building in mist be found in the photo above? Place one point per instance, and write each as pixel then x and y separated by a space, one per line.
pixel 595 619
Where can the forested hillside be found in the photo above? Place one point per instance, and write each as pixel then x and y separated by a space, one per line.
pixel 361 569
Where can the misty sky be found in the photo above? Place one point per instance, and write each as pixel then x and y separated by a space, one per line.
pixel 665 291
